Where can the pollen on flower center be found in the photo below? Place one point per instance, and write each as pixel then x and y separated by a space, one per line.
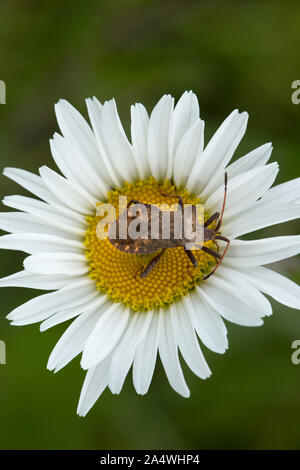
pixel 117 273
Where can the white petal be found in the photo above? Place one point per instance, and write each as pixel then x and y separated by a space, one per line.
pixel 139 134
pixel 243 190
pixel 185 114
pixel 43 209
pixel 95 113
pixel 227 302
pixel 115 142
pixel 76 168
pixel 45 305
pixel 271 283
pixel 159 151
pixel 38 242
pixel 72 264
pixel 259 216
pixel 283 193
pixel 31 182
pixel 61 317
pixel 186 340
pixel 73 196
pixel 76 130
pixel 69 313
pixel 47 213
pixel 95 382
pixel 244 291
pixel 217 153
pixel 36 281
pixel 145 357
pixel 123 355
pixel 74 338
pixel 169 355
pixel 20 222
pixel 263 251
pixel 207 322
pixel 105 335
pixel 189 149
pixel 256 158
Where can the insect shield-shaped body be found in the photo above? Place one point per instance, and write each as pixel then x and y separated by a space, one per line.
pixel 145 228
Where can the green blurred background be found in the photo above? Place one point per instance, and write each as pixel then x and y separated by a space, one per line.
pixel 232 54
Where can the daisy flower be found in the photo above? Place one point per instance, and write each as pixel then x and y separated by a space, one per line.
pixel 120 320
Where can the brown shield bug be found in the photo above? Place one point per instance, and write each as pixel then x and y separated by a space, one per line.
pixel 150 238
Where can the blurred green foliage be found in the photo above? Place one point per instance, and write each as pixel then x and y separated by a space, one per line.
pixel 232 54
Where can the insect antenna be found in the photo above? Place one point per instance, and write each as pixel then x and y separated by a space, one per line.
pixel 219 237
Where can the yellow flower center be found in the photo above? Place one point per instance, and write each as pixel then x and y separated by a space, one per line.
pixel 118 274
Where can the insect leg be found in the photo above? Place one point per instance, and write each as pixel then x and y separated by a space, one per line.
pixel 152 263
pixel 180 201
pixel 209 221
pixel 191 257
pixel 219 237
pixel 211 252
pixel 223 207
pixel 133 201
